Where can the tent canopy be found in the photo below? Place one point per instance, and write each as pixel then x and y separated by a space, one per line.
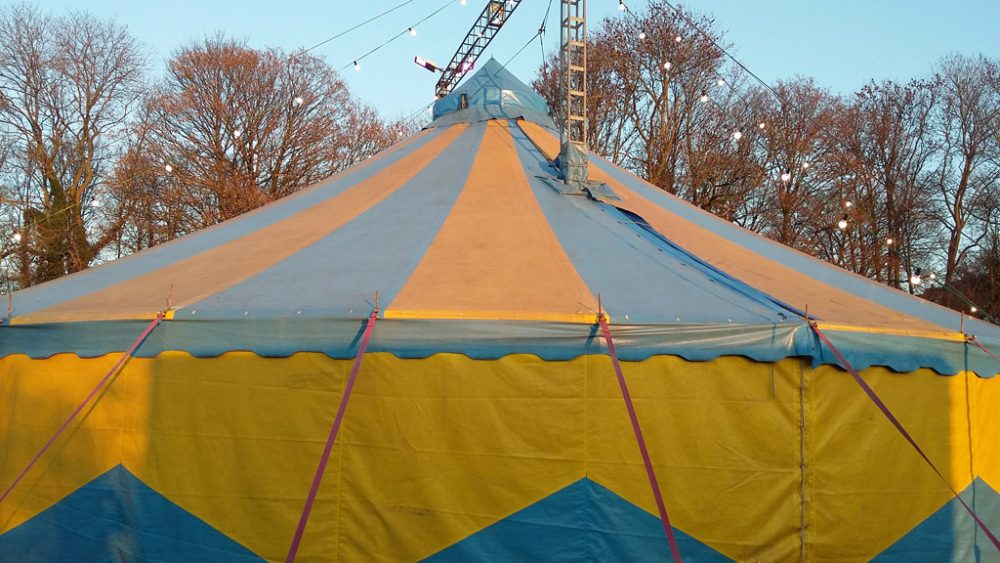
pixel 473 248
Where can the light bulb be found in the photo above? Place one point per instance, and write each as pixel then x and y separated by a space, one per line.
pixel 621 6
pixel 17 237
pixel 413 32
pixel 805 165
pixel 667 65
pixel 237 133
pixel 915 279
pixel 95 203
pixel 761 125
pixel 842 224
pixel 973 309
pixel 738 135
pixel 848 204
pixel 677 39
pixel 786 176
pixel 889 241
pixel 168 168
pixel 932 276
pixel 722 82
pixel 357 67
pixel 642 35
pixel 704 97
pixel 298 101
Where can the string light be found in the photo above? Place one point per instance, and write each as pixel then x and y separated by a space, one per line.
pixel 357 67
pixel 642 35
pixel 721 82
pixel 888 241
pixel 17 237
pixel 237 133
pixel 738 135
pixel 848 204
pixel 932 276
pixel 667 65
pixel 915 279
pixel 298 101
pixel 842 224
pixel 677 39
pixel 95 203
pixel 621 5
pixel 973 309
pixel 761 126
pixel 413 32
pixel 704 97
pixel 786 176
pixel 168 168
pixel 805 166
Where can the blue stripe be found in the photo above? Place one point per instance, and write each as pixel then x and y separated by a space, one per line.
pixel 813 268
pixel 94 279
pixel 338 275
pixel 487 340
pixel 641 277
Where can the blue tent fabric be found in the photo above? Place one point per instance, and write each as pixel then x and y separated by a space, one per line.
pixel 950 534
pixel 582 522
pixel 116 517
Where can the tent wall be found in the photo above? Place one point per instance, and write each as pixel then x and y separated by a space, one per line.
pixel 456 458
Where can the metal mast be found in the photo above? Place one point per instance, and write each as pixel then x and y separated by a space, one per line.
pixel 495 14
pixel 573 151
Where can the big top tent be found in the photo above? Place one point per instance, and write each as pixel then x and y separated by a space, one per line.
pixel 487 422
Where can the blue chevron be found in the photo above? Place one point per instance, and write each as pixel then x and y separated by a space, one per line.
pixel 582 522
pixel 950 534
pixel 116 517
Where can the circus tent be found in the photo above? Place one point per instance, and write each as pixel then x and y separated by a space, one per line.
pixel 486 422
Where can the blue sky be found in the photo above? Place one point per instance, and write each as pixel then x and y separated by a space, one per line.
pixel 841 43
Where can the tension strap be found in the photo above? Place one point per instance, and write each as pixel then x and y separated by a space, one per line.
pixel 93 393
pixel 321 468
pixel 664 519
pixel 899 426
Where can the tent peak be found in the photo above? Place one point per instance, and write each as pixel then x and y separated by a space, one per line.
pixel 493 92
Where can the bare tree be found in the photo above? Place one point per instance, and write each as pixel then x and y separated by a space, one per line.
pixel 232 128
pixel 67 87
pixel 968 162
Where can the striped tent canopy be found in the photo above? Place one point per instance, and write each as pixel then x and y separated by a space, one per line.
pixel 474 247
pixel 486 424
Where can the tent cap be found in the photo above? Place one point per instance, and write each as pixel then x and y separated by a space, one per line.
pixel 492 93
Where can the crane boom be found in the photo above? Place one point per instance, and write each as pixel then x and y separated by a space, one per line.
pixel 494 16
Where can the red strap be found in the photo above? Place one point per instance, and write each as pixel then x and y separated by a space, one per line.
pixel 899 426
pixel 314 488
pixel 114 369
pixel 642 442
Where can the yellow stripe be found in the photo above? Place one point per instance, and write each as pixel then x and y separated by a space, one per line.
pixel 917 333
pixel 489 315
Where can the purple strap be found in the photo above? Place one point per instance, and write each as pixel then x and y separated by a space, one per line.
pixel 973 340
pixel 899 426
pixel 314 488
pixel 642 442
pixel 114 369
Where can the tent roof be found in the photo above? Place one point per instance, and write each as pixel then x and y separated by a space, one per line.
pixel 474 247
